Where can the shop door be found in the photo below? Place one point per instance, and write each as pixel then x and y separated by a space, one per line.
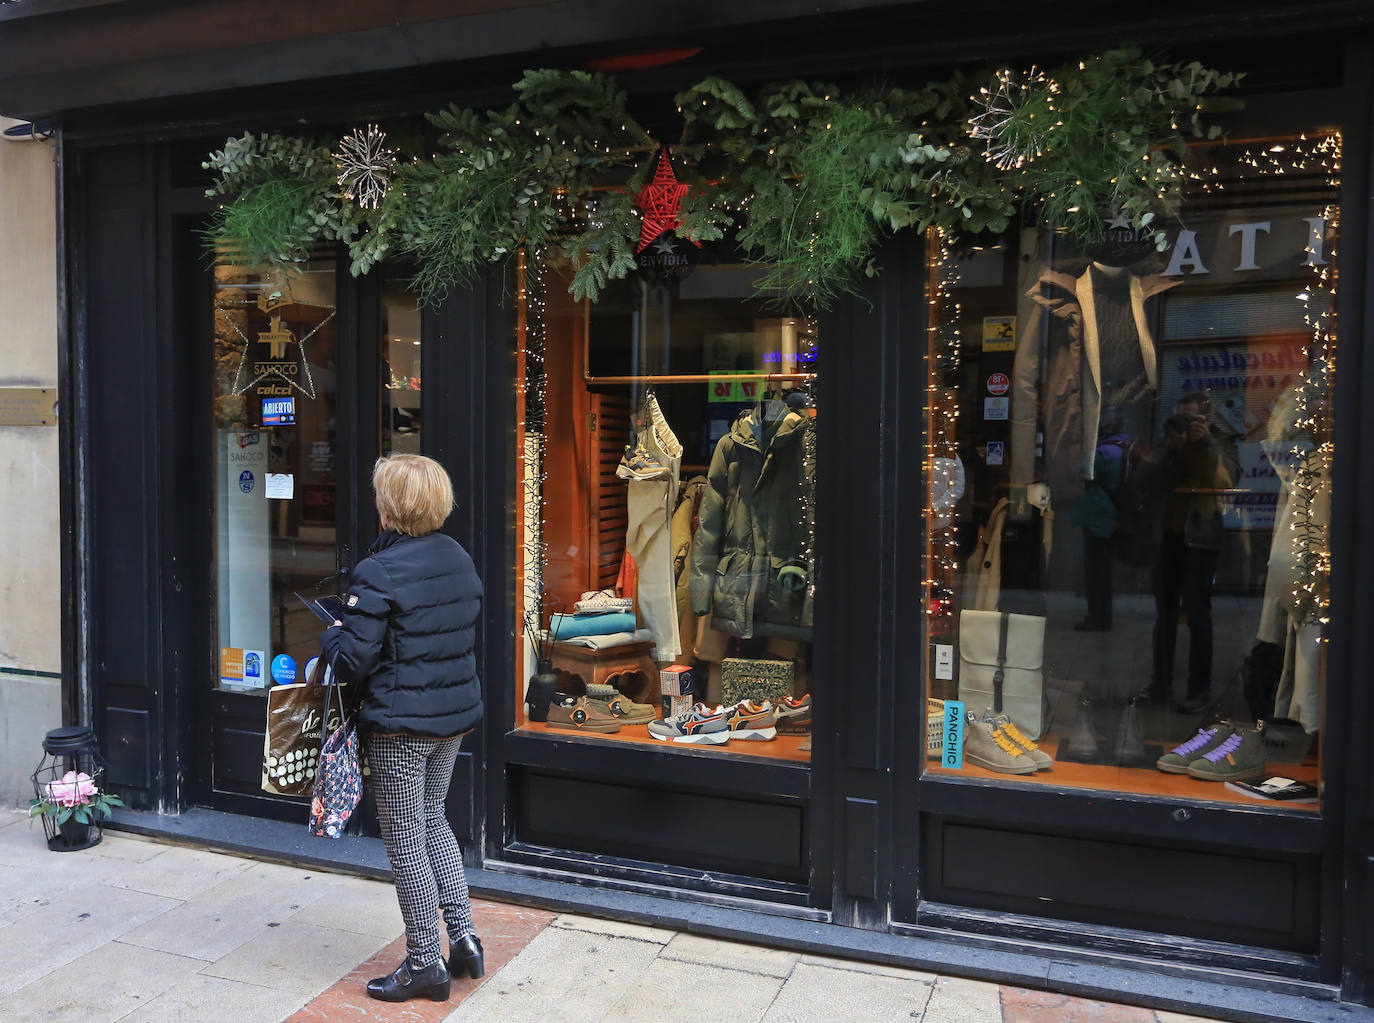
pixel 314 375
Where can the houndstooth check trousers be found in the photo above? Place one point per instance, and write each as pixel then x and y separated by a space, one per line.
pixel 410 779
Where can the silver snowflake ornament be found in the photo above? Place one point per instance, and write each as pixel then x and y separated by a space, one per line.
pixel 1010 139
pixel 366 164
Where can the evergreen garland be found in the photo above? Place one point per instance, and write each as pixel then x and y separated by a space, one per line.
pixel 807 181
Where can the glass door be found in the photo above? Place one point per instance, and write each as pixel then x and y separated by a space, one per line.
pixel 278 470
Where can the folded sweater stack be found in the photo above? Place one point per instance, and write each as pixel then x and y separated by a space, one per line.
pixel 566 627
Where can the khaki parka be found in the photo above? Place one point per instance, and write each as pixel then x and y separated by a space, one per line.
pixel 749 562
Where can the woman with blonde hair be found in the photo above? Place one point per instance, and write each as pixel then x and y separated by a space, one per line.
pixel 407 640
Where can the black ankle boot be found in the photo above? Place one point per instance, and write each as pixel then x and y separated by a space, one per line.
pixel 465 957
pixel 405 983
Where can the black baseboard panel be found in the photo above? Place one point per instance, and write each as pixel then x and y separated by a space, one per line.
pixel 1261 898
pixel 763 837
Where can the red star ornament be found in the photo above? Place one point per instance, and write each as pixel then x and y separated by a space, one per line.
pixel 661 201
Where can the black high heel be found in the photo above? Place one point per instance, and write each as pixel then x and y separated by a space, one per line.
pixel 404 983
pixel 465 956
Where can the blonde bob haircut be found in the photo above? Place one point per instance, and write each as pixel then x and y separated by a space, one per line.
pixel 413 492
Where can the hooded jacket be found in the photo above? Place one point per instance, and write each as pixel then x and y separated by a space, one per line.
pixel 409 635
pixel 749 559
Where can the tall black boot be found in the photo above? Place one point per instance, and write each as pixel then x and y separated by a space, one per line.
pixel 1083 743
pixel 1130 740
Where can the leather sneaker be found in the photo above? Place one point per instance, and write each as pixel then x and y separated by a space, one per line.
pixel 1239 758
pixel 699 726
pixel 619 706
pixel 1176 761
pixel 794 716
pixel 750 720
pixel 1042 760
pixel 988 746
pixel 579 714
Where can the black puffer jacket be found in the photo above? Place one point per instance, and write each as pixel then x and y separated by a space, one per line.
pixel 408 637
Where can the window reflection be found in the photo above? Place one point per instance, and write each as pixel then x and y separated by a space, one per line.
pixel 1130 487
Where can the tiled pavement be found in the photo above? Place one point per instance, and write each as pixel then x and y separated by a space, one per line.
pixel 137 931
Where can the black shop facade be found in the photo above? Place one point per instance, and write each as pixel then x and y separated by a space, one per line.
pixel 1000 612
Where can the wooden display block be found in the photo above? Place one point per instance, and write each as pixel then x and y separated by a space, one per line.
pixel 629 668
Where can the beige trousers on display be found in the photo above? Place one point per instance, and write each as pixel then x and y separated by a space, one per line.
pixel 649 538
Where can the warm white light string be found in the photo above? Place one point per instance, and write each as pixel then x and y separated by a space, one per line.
pixel 944 353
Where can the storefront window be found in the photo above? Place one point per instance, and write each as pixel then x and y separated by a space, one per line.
pixel 274 428
pixel 1129 466
pixel 402 411
pixel 666 459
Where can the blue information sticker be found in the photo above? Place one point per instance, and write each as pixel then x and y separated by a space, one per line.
pixel 283 669
pixel 952 737
pixel 252 668
pixel 246 481
pixel 278 411
pixel 310 670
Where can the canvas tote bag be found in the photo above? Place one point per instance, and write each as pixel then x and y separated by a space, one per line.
pixel 1000 667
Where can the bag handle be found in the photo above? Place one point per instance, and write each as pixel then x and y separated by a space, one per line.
pixel 1000 674
pixel 332 694
pixel 317 673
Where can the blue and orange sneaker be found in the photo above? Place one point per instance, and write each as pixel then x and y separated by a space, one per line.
pixel 699 726
pixel 750 720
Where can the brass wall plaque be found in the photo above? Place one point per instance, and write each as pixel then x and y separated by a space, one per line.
pixel 28 406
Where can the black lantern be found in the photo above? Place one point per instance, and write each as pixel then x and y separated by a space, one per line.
pixel 69 789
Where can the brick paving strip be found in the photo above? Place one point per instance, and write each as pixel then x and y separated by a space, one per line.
pixel 505 930
pixel 1020 1005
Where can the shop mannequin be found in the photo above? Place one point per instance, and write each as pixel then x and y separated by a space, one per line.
pixel 1086 343
pixel 751 545
pixel 1294 455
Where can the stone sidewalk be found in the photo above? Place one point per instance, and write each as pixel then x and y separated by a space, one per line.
pixel 137 931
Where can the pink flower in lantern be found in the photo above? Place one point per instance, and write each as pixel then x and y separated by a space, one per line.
pixel 75 789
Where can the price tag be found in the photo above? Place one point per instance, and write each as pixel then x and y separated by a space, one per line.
pixel 737 391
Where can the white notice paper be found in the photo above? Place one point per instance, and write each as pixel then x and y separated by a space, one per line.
pixel 944 661
pixel 281 486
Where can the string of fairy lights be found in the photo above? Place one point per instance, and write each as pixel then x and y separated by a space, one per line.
pixel 1312 421
pixel 942 414
pixel 532 386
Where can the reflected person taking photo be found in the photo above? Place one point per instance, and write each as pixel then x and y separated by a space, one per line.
pixel 1198 461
